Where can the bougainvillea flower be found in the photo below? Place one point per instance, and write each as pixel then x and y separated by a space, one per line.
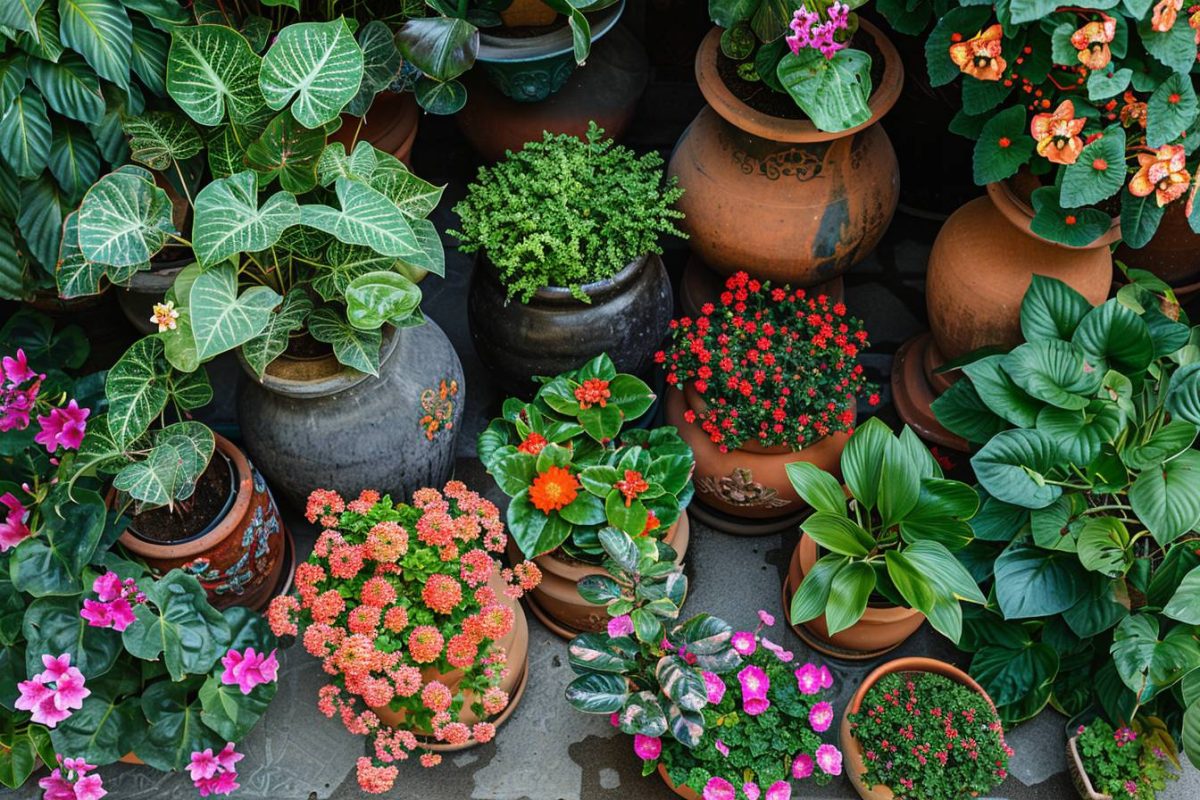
pixel 779 790
pixel 980 55
pixel 718 788
pixel 743 643
pixel 553 490
pixel 829 759
pixel 1057 134
pixel 1092 42
pixel 1163 173
pixel 714 687
pixel 620 626
pixel 63 426
pixel 13 529
pixel 1165 14
pixel 249 669
pixel 754 683
pixel 802 766
pixel 647 748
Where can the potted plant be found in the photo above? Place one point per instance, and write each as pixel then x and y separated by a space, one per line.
pixel 764 377
pixel 572 467
pixel 567 228
pixel 792 93
pixel 1121 762
pixel 958 748
pixel 889 551
pixel 1084 541
pixel 416 622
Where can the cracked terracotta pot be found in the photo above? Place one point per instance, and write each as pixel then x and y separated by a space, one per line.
pixel 750 482
pixel 778 197
pixel 390 125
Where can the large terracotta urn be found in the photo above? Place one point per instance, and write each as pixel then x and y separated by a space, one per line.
pixel 1172 254
pixel 778 197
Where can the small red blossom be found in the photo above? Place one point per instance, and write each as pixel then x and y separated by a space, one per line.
pixel 593 392
pixel 631 486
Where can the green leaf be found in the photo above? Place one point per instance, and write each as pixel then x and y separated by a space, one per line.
pixel 195 443
pixel 438 97
pixel 1147 664
pixel 229 712
pixel 1163 445
pixel 44 41
pixel 221 318
pixel 109 725
pixel 228 220
pixel 149 57
pixel 289 151
pixel 1080 434
pixel 441 47
pixel 941 513
pixel 101 32
pixel 1003 146
pixel 629 518
pixel 1171 110
pixel 682 683
pixel 962 411
pixel 1010 675
pixel 1167 499
pixel 209 67
pixel 20 15
pixel 75 275
pixel 834 93
pixel 1056 372
pixel 380 298
pixel 270 344
pixel 1101 86
pixel 355 348
pixel 643 715
pixel 158 138
pixel 1183 396
pixel 124 220
pixel 1074 227
pixel 366 218
pixel 838 534
pixel 317 63
pixel 1174 48
pixel 1184 605
pixel 154 480
pixel 178 624
pixel 176 728
pixel 816 487
pixel 932 581
pixel 53 625
pixel 849 592
pixel 1001 394
pixel 1012 467
pixel 1114 337
pixel 1140 217
pixel 597 693
pixel 1032 582
pixel 381 64
pixel 596 652
pixel 74 161
pixel 1103 546
pixel 69 87
pixel 862 460
pixel 25 134
pixel 40 219
pixel 136 388
pixel 1099 172
pixel 52 562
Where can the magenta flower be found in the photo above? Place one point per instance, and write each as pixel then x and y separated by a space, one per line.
pixel 829 759
pixel 808 679
pixel 614 719
pixel 751 790
pixel 49 705
pixel 202 765
pixel 767 619
pixel 802 766
pixel 647 748
pixel 76 784
pixel 214 774
pixel 783 655
pixel 108 587
pixel 1131 787
pixel 113 609
pixel 96 613
pixel 228 757
pixel 743 642
pixel 63 426
pixel 249 669
pixel 779 790
pixel 620 626
pixel 721 748
pixel 808 31
pixel 714 687
pixel 223 784
pixel 16 370
pixel 754 683
pixel 826 677
pixel 719 789
pixel 821 717
pixel 13 530
pixel 15 407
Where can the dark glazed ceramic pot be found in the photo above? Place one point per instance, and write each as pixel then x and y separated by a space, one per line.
pixel 317 424
pixel 628 317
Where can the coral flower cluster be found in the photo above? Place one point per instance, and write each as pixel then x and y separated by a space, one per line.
pixel 407 608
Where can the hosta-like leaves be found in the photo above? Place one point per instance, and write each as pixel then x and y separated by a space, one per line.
pixel 136 389
pixel 1032 582
pixel 210 67
pixel 101 32
pixel 366 217
pixel 228 219
pixel 317 63
pixel 179 625
pixel 1167 499
pixel 124 220
pixel 221 318
pixel 353 347
pixel 40 218
pixel 69 87
pixel 270 344
pixel 159 137
pixel 25 134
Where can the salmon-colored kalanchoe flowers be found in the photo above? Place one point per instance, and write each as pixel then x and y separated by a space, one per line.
pixel 1163 173
pixel 1057 134
pixel 980 55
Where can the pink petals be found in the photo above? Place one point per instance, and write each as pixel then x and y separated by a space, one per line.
pixel 70 781
pixel 754 683
pixel 714 687
pixel 820 717
pixel 802 766
pixel 744 643
pixel 114 608
pixel 810 679
pixel 13 529
pixel 718 788
pixel 51 704
pixel 829 759
pixel 620 626
pixel 808 31
pixel 215 774
pixel 249 669
pixel 63 427
pixel 648 748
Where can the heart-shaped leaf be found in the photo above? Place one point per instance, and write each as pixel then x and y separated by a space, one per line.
pixel 1098 173
pixel 1103 546
pixel 136 389
pixel 154 480
pixel 75 275
pixel 381 297
pixel 366 218
pixel 176 729
pixel 1051 310
pixel 270 344
pixel 53 625
pixel 210 67
pixel 221 318
pixel 441 47
pixel 317 63
pixel 109 725
pixel 1167 498
pixel 1012 467
pixel 1054 372
pixel 832 92
pixel 229 712
pixel 1002 147
pixel 179 625
pixel 1115 337
pixel 157 138
pixel 381 64
pixel 289 151
pixel 194 442
pixel 228 220
pixel 52 562
pixel 1032 582
pixel 1074 227
pixel 124 220
pixel 70 87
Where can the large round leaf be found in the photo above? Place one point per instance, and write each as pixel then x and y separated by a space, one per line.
pixel 1010 674
pixel 176 728
pixel 109 725
pixel 1183 397
pixel 1167 499
pixel 1032 582
pixel 317 63
pixel 379 298
pixel 832 92
pixel 1054 372
pixel 366 217
pixel 1114 337
pixel 1013 466
pixel 1147 664
pixel 1081 433
pixel 124 220
pixel 52 625
pixel 229 712
pixel 179 625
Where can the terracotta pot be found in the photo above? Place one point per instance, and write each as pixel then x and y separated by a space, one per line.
pixel 389 125
pixel 1079 776
pixel 131 758
pixel 238 559
pixel 528 14
pixel 880 630
pixel 314 423
pixel 983 261
pixel 748 482
pixel 628 318
pixel 777 196
pixel 515 644
pixel 683 791
pixel 556 601
pixel 700 285
pixel 852 752
pixel 606 89
pixel 1173 254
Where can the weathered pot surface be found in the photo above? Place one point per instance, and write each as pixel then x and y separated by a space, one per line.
pixel 628 318
pixel 791 203
pixel 528 13
pixel 316 424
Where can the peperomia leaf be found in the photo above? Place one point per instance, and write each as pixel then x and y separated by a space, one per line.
pixel 1098 173
pixel 1002 147
pixel 318 64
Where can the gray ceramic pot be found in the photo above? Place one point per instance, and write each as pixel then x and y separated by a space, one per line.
pixel 552 333
pixel 316 424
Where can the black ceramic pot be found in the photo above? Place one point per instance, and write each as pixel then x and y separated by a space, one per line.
pixel 627 318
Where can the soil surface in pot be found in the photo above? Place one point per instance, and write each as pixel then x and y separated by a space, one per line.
pixel 526 31
pixel 190 516
pixel 304 347
pixel 761 97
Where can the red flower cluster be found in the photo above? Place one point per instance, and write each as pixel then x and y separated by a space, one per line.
pixel 769 365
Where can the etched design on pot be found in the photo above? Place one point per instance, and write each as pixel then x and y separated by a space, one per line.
pixel 739 488
pixel 438 405
pixel 256 550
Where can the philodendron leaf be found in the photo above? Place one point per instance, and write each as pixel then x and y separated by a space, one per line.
pixel 317 63
pixel 289 151
pixel 832 92
pixel 221 318
pixel 75 275
pixel 1032 582
pixel 353 347
pixel 179 625
pixel 136 388
pixel 441 47
pixel 1184 605
pixel 210 67
pixel 1051 310
pixel 366 217
pixel 1167 499
pixel 270 344
pixel 381 297
pixel 1012 467
pixel 124 220
pixel 51 562
pixel 381 64
pixel 158 138
pixel 228 219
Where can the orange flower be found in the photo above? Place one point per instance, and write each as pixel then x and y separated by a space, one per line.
pixel 1163 172
pixel 980 56
pixel 1194 22
pixel 1092 42
pixel 533 443
pixel 652 523
pixel 1057 134
pixel 1133 112
pixel 592 392
pixel 553 490
pixel 632 485
pixel 1165 13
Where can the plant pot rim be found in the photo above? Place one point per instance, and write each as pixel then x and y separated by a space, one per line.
pixel 596 290
pixel 795 131
pixel 1020 214
pixel 695 402
pixel 504 50
pixel 243 482
pixel 806 552
pixel 683 791
pixel 341 379
pixel 1073 754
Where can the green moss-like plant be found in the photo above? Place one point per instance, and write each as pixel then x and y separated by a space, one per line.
pixel 567 211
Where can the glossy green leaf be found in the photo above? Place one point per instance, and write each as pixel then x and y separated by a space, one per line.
pixel 355 348
pixel 289 151
pixel 1032 582
pixel 74 160
pixel 223 319
pixel 158 138
pixel 379 298
pixel 53 625
pixel 210 67
pixel 597 693
pixel 1167 500
pixel 137 390
pixel 52 562
pixel 25 134
pixel 366 218
pixel 69 87
pixel 124 220
pixel 1013 466
pixel 1054 372
pixel 229 220
pixel 441 47
pixel 273 340
pixel 179 625
pixel 101 32
pixel 318 64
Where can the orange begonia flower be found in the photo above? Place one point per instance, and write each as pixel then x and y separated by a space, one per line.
pixel 1092 42
pixel 1133 112
pixel 980 56
pixel 1163 173
pixel 1194 22
pixel 1057 134
pixel 553 490
pixel 1165 13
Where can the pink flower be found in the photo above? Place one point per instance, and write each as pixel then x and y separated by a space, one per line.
pixel 802 767
pixel 13 530
pixel 783 655
pixel 90 787
pixel 63 426
pixel 1131 787
pixel 203 765
pixel 754 683
pixel 620 626
pixel 829 759
pixel 16 370
pixel 751 790
pixel 719 789
pixel 96 613
pixel 223 784
pixel 215 774
pixel 714 687
pixel 121 614
pixel 721 748
pixel 647 748
pixel 743 642
pixel 821 717
pixel 808 679
pixel 51 705
pixel 779 790
pixel 249 669
pixel 76 784
pixel 826 677
pixel 229 756
pixel 767 619
pixel 113 609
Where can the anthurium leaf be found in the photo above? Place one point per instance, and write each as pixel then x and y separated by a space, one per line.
pixel 158 138
pixel 69 87
pixel 381 297
pixel 366 218
pixel 124 220
pixel 210 67
pixel 441 47
pixel 136 388
pixel 101 32
pixel 179 625
pixel 1075 227
pixel 25 134
pixel 318 64
pixel 1098 173
pixel 1184 605
pixel 834 93
pixel 1032 582
pixel 222 318
pixel 1167 498
pixel 1002 147
pixel 353 347
pixel 228 219
pixel 289 151
pixel 1054 372
pixel 53 625
pixel 270 344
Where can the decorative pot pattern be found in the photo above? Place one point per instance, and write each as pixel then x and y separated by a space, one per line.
pixel 239 559
pixel 628 318
pixel 820 202
pixel 749 483
pixel 316 424
pixel 389 125
pixel 851 751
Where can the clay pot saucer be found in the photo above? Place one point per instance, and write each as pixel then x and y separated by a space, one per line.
pixel 912 393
